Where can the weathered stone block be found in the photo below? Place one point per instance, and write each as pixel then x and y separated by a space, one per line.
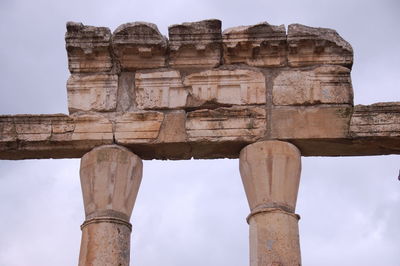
pixel 226 124
pixel 7 129
pixel 88 48
pixel 33 128
pixel 126 92
pixel 300 122
pixel 311 46
pixel 326 84
pixel 165 90
pixel 196 44
pixel 260 45
pixel 139 45
pixel 62 128
pixel 376 120
pixel 92 92
pixel 226 87
pixel 173 127
pixel 138 127
pixel 160 90
pixel 92 127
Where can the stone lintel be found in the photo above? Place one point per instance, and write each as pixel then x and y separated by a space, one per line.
pixel 220 133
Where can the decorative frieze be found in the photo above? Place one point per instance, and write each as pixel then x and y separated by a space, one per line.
pixel 226 87
pixel 260 45
pixel 139 45
pixel 160 90
pixel 195 44
pixel 88 48
pixel 92 92
pixel 312 46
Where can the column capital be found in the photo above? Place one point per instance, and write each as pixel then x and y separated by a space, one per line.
pixel 270 173
pixel 110 179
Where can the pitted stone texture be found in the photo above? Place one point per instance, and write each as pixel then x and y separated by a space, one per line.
pixel 57 128
pixel 126 92
pixel 92 92
pixel 326 85
pixel 165 90
pixel 311 46
pixel 226 87
pixel 139 45
pixel 195 44
pixel 320 130
pixel 88 48
pixel 270 172
pixel 138 127
pixel 160 90
pixel 376 120
pixel 28 129
pixel 110 179
pixel 92 127
pixel 105 244
pixel 320 121
pixel 226 124
pixel 7 129
pixel 173 128
pixel 274 240
pixel 260 45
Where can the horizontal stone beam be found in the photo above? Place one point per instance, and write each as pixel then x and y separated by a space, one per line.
pixel 322 130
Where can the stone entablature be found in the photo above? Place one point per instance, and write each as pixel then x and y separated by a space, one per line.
pixel 200 66
pixel 205 93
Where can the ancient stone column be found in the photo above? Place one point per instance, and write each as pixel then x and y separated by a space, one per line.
pixel 270 173
pixel 110 179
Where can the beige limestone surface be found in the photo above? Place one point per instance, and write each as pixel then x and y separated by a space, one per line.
pixel 195 44
pixel 92 92
pixel 322 85
pixel 318 130
pixel 205 93
pixel 160 90
pixel 312 46
pixel 139 45
pixel 270 173
pixel 88 48
pixel 229 87
pixel 110 180
pixel 260 45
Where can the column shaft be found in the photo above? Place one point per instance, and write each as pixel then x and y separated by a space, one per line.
pixel 110 180
pixel 270 173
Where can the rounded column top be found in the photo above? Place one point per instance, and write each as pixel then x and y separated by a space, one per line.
pixel 110 180
pixel 270 173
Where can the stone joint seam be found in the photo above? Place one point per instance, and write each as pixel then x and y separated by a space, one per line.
pixel 257 210
pixel 107 219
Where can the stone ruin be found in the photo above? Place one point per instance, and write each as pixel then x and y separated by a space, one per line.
pixel 260 93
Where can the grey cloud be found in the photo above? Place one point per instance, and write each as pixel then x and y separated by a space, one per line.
pixel 193 212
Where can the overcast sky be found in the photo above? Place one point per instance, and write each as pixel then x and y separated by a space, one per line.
pixel 193 212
